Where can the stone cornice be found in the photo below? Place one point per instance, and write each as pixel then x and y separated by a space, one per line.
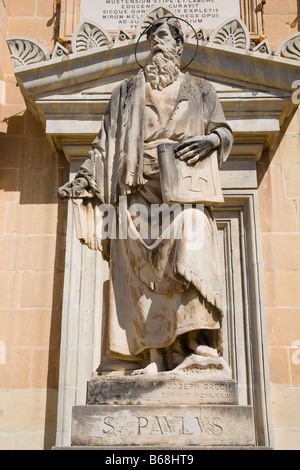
pixel 69 90
pixel 99 66
pixel 95 56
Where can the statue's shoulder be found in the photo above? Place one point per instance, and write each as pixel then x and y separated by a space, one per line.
pixel 200 84
pixel 128 84
pixel 197 86
pixel 123 90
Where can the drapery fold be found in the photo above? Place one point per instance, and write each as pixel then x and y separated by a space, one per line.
pixel 158 288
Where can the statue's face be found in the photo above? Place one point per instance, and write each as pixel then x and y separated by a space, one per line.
pixel 161 39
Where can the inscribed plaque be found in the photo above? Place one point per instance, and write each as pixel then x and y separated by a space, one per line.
pixel 125 14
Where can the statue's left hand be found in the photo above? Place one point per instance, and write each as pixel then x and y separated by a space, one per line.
pixel 192 150
pixel 73 188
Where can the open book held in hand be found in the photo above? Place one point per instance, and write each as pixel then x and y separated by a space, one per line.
pixel 199 183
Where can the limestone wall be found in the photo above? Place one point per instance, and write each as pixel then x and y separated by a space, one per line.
pixel 280 20
pixel 31 250
pixel 279 202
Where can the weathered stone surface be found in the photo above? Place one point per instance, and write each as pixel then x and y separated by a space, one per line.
pixel 207 368
pixel 162 388
pixel 161 303
pixel 207 425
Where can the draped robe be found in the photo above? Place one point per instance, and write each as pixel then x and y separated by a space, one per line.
pixel 159 288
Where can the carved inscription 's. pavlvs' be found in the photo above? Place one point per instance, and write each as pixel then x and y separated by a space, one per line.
pixel 161 425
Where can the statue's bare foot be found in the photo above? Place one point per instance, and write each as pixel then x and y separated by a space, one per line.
pixel 203 350
pixel 200 347
pixel 156 365
pixel 151 368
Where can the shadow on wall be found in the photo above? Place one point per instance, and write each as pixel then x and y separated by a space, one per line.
pixel 54 339
pixel 35 170
pixel 296 22
pixel 30 174
pixel 267 156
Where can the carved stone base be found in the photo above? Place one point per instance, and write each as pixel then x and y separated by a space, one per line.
pixel 150 425
pixel 165 409
pixel 160 389
pixel 205 368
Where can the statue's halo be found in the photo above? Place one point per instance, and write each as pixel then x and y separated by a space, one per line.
pixel 169 17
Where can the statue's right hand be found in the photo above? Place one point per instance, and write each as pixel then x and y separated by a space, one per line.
pixel 73 188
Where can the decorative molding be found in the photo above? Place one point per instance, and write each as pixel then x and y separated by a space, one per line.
pixel 88 36
pixel 122 36
pixel 59 51
pixel 232 33
pixel 239 217
pixel 290 47
pixel 263 47
pixel 58 91
pixel 252 15
pixel 201 35
pixel 25 51
pixel 69 18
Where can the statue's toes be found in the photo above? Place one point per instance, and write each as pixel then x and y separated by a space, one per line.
pixel 138 372
pixel 207 351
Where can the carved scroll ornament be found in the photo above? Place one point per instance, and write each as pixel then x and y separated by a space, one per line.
pixel 25 51
pixel 290 48
pixel 232 33
pixel 88 35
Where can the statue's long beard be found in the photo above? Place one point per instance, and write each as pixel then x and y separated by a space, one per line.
pixel 163 69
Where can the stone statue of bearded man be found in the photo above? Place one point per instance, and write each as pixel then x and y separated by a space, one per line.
pixel 165 298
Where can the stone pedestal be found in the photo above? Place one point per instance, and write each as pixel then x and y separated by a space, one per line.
pixel 150 425
pixel 164 410
pixel 161 389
